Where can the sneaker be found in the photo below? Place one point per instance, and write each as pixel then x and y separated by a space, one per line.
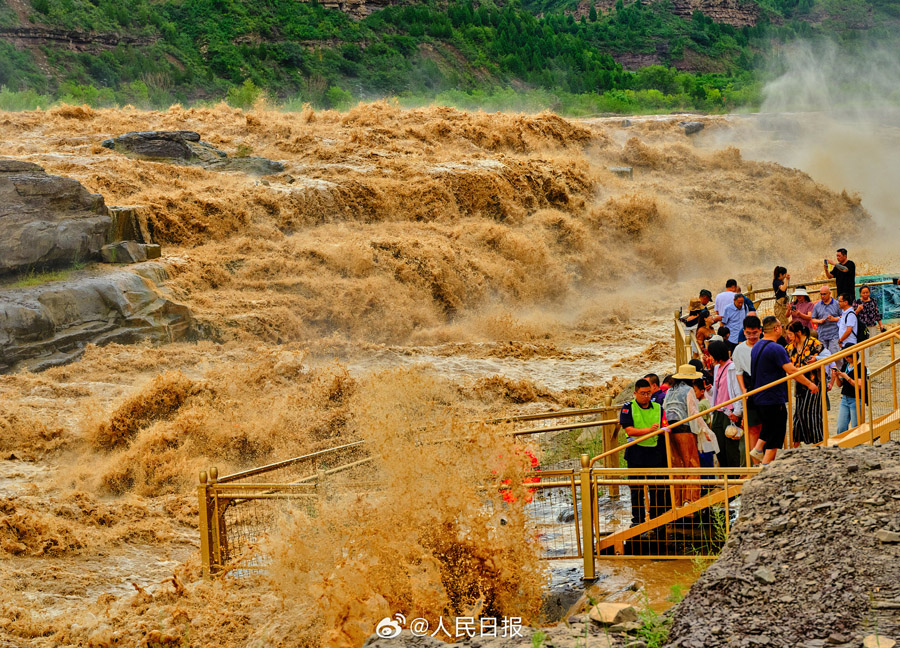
pixel 757 454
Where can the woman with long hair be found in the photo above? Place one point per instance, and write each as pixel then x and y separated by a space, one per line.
pixel 867 311
pixel 803 350
pixel 780 279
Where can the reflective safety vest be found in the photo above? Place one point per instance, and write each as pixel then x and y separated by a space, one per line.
pixel 644 418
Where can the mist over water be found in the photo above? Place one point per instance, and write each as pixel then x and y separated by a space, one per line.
pixel 836 115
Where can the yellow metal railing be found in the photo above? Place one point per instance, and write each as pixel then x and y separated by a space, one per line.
pixel 856 352
pixel 237 511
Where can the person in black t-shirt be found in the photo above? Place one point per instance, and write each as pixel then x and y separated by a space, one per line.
pixel 847 377
pixel 843 273
pixel 780 279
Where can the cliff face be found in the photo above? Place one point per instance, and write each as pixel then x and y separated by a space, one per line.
pixel 358 9
pixel 737 13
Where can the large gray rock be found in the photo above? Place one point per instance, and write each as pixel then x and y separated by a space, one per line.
pixel 155 144
pixel 691 127
pixel 186 147
pixel 49 325
pixel 124 252
pixel 129 224
pixel 46 219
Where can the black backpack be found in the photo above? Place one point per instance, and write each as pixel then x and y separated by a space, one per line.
pixel 862 332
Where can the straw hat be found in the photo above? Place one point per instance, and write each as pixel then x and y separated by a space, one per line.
pixel 800 292
pixel 687 372
pixel 695 304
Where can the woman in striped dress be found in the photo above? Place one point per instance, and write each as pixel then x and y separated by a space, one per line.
pixel 804 350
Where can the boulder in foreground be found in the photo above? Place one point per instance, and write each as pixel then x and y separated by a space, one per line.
pixel 50 325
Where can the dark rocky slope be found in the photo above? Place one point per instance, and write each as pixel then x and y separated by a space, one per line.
pixel 814 559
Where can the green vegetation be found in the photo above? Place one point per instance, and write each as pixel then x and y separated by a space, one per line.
pixel 654 628
pixel 524 55
pixel 537 639
pixel 676 593
pixel 33 278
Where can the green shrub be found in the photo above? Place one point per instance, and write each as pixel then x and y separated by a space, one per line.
pixel 243 96
pixel 22 100
pixel 338 98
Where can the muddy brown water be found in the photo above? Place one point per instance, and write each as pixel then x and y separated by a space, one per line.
pixel 403 261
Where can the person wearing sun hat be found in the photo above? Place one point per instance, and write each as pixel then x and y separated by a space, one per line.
pixel 681 401
pixel 697 313
pixel 801 308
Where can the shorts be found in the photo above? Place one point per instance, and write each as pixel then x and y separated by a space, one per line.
pixel 773 419
pixel 752 416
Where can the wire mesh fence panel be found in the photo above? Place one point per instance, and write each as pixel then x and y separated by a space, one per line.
pixel 668 513
pixel 246 522
pixel 556 512
pixel 612 509
pixel 764 307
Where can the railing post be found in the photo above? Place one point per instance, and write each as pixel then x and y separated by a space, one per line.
pixel 610 442
pixel 666 434
pixel 679 343
pixel 727 508
pixel 867 402
pixel 587 514
pixel 823 393
pixel 792 390
pixel 893 373
pixel 862 388
pixel 215 518
pixel 746 425
pixel 206 560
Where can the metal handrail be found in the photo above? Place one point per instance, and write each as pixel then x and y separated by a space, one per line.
pixel 753 294
pixel 881 370
pixel 285 463
pixel 567 426
pixel 549 415
pixel 856 348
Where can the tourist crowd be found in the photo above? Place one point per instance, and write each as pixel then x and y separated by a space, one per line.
pixel 735 351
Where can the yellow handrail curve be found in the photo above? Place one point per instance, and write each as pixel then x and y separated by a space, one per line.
pixel 856 348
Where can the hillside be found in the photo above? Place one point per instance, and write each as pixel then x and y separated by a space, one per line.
pixel 147 53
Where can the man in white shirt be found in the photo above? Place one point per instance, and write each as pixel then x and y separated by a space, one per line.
pixel 847 323
pixel 726 298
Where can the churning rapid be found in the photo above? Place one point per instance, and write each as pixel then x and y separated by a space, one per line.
pixel 407 271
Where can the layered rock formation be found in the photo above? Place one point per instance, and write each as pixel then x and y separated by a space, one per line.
pixel 46 219
pixel 729 12
pixel 49 325
pixel 186 147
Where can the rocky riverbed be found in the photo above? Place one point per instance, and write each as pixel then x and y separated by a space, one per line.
pixel 813 561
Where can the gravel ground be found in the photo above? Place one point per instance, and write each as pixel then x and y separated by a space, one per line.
pixel 813 561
